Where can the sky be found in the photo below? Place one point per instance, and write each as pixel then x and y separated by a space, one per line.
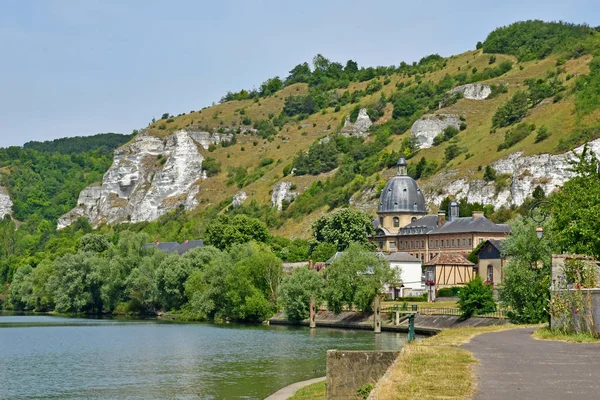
pixel 80 67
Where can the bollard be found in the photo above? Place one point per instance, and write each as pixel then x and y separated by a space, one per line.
pixel 313 322
pixel 377 314
pixel 396 318
pixel 411 328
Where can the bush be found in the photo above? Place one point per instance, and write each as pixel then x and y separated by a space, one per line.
pixel 297 290
pixel 476 298
pixel 405 106
pixel 449 291
pixel 542 134
pixel 211 166
pixel 448 133
pixel 266 161
pixel 516 135
pixel 489 175
pixel 513 111
pixel 452 151
pixel 492 60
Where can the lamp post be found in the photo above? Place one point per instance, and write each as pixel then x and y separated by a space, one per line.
pixel 539 217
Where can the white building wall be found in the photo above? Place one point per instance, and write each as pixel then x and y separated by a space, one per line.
pixel 411 275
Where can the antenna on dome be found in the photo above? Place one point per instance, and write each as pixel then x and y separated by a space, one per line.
pixel 401 166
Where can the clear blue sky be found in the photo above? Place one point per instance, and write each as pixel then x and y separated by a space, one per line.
pixel 86 66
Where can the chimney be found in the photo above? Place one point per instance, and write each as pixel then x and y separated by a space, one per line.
pixel 441 218
pixel 477 214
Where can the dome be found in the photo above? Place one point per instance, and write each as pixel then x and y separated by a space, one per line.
pixel 402 194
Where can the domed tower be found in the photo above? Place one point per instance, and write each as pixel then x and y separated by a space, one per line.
pixel 401 201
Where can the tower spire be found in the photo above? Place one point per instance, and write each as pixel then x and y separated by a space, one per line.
pixel 401 166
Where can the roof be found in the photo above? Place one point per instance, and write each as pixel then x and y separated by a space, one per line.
pixel 468 225
pixel 402 194
pixel 420 226
pixel 449 259
pixel 173 247
pixel 401 256
pixel 494 242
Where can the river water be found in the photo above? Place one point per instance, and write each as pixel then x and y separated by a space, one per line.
pixel 46 357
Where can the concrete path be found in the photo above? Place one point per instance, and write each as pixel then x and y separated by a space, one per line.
pixel 514 365
pixel 289 391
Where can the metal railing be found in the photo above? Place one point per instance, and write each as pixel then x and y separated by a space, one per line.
pixel 454 311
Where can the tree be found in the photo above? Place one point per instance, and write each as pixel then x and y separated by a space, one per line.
pixel 525 290
pixel 295 293
pixel 476 298
pixel 227 230
pixel 514 110
pixel 405 106
pixel 323 251
pixel 343 227
pixel 576 206
pixel 489 174
pixel 355 277
pixel 94 243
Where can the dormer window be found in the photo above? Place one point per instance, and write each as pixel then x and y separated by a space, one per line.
pixel 396 222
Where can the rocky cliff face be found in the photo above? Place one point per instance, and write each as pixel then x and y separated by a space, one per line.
pixel 426 128
pixel 282 191
pixel 473 91
pixel 5 203
pixel 149 177
pixel 359 127
pixel 548 171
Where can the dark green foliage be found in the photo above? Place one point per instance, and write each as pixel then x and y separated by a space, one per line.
pixel 423 169
pixel 448 133
pixel 323 251
pixel 535 39
pixel 295 105
pixel 227 230
pixel 540 89
pixel 211 166
pixel 321 157
pixel 476 298
pixel 404 106
pixel 297 290
pixel 492 60
pixel 448 291
pixel 343 227
pixel 489 174
pixel 290 250
pixel 265 129
pixel 492 72
pixel 47 184
pixel 587 89
pixel 512 111
pixel 270 86
pixel 266 161
pixel 542 134
pixel 497 90
pixel 515 135
pixel 474 254
pixel 452 151
pixel 80 144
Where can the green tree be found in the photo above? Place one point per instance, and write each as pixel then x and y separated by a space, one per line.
pixel 514 110
pixel 295 293
pixel 94 243
pixel 355 277
pixel 227 230
pixel 489 174
pixel 576 206
pixel 343 227
pixel 476 298
pixel 405 106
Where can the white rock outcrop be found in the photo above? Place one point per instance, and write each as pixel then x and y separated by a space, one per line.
pixel 359 127
pixel 473 91
pixel 282 191
pixel 205 139
pixel 239 198
pixel 149 177
pixel 549 171
pixel 426 128
pixel 5 203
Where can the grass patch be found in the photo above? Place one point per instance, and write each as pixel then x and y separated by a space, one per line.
pixel 314 391
pixel 434 368
pixel 546 333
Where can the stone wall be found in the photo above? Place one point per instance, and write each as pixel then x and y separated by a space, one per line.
pixel 348 370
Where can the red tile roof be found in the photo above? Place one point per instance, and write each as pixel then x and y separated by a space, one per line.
pixel 449 259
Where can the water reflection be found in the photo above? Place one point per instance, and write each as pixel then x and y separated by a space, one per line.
pixel 72 358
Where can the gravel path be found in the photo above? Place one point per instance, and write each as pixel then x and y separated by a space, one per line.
pixel 514 365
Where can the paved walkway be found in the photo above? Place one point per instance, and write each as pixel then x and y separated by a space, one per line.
pixel 289 391
pixel 514 365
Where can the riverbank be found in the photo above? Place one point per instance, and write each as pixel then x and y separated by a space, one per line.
pixel 424 324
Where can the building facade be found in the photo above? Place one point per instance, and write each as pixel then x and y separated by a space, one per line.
pixel 403 224
pixel 491 262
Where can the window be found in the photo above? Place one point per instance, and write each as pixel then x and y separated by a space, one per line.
pixel 442 243
pixel 380 245
pixel 412 244
pixel 470 242
pixel 413 219
pixel 436 244
pixel 464 242
pixel 422 256
pixel 399 245
pixel 396 222
pixel 431 243
pixel 422 244
pixel 447 243
pixel 406 244
pixel 452 242
pixel 490 273
pixel 392 245
pixel 380 221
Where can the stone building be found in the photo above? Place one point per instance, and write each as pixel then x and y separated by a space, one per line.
pixel 491 262
pixel 403 223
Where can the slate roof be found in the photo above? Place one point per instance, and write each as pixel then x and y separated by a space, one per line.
pixel 401 194
pixel 401 256
pixel 468 225
pixel 422 225
pixel 495 242
pixel 173 247
pixel 448 259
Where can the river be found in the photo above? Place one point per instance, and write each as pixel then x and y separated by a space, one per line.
pixel 47 357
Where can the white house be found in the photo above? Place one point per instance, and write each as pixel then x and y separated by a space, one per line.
pixel 411 272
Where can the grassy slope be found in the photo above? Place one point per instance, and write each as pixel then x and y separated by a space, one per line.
pixel 295 136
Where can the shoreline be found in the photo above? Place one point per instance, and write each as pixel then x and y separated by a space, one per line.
pixel 290 390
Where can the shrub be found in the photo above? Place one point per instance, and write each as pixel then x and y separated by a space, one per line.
pixel 463 126
pixel 211 166
pixel 514 136
pixel 489 174
pixel 405 106
pixel 246 120
pixel 266 161
pixel 542 134
pixel 512 111
pixel 476 298
pixel 449 291
pixel 448 133
pixel 492 60
pixel 452 151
